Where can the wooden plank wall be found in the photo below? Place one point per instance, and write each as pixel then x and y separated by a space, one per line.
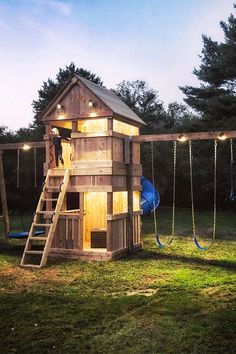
pixel 67 233
pixel 93 149
pixel 119 234
pixel 136 229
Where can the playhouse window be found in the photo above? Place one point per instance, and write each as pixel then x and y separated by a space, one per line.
pixel 124 128
pixel 92 125
pixel 72 201
pixel 120 202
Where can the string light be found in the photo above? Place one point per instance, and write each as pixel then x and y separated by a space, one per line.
pixel 222 136
pixel 182 138
pixel 26 147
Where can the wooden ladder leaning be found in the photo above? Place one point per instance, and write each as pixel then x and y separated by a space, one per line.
pixel 31 251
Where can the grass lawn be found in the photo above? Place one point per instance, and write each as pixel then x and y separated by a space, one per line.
pixel 175 300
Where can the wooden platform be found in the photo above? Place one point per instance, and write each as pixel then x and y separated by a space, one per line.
pixel 91 255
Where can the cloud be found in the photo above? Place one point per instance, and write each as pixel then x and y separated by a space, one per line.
pixel 63 8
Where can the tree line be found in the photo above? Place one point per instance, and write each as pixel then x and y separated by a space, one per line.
pixel 208 107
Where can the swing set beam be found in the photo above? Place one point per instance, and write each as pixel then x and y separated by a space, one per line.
pixel 185 136
pixel 16 146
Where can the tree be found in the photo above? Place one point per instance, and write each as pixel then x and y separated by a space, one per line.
pixel 145 102
pixel 5 135
pixel 215 99
pixel 50 88
pixel 180 118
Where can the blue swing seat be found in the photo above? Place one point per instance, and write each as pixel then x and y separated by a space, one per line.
pixel 24 234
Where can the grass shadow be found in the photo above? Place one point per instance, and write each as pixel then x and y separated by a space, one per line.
pixel 152 255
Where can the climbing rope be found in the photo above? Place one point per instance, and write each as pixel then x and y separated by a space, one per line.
pixel 192 198
pixel 158 241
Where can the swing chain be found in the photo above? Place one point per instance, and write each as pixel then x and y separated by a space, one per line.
pixel 153 184
pixel 232 196
pixel 191 190
pixel 159 243
pixel 18 169
pixel 174 189
pixel 35 167
pixel 191 187
pixel 214 210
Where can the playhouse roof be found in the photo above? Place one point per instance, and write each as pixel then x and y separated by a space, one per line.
pixel 113 101
pixel 108 97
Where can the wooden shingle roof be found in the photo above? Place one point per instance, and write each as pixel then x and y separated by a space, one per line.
pixel 112 100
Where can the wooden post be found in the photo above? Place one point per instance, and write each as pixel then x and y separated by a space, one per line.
pixel 81 223
pixel 4 198
pixel 47 165
pixel 130 200
pixel 110 198
pixel 74 130
pixel 109 222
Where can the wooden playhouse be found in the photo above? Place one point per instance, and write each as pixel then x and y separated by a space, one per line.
pixel 90 208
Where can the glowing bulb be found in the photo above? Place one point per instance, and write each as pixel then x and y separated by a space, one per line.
pixel 90 103
pixel 93 114
pixel 26 147
pixel 182 138
pixel 222 136
pixel 59 106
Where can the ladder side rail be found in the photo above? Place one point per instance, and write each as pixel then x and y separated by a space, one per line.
pixel 32 227
pixel 55 219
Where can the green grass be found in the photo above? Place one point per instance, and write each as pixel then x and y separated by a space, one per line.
pixel 176 300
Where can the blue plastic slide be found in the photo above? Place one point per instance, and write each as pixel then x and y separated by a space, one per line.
pixel 150 197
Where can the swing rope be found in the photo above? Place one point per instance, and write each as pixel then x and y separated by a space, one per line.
pixel 204 248
pixel 158 241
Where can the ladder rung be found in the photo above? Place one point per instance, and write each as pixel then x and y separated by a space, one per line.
pixel 49 199
pixel 54 187
pixel 34 252
pixel 31 265
pixel 46 212
pixel 38 238
pixel 42 225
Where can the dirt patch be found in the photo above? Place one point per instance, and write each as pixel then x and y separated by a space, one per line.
pixel 17 279
pixel 142 292
pixel 225 294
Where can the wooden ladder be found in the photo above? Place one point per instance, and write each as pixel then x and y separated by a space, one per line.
pixel 30 253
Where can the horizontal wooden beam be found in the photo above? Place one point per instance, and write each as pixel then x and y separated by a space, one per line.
pixel 16 146
pixel 108 133
pixel 188 136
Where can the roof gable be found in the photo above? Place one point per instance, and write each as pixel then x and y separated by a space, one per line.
pixel 75 96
